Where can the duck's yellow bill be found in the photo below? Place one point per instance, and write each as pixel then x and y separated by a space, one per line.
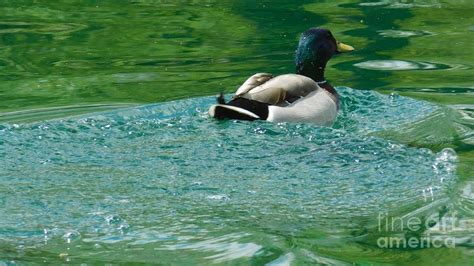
pixel 342 48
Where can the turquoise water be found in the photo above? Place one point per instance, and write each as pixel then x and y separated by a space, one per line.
pixel 152 182
pixel 107 153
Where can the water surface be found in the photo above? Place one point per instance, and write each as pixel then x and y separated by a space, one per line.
pixel 94 169
pixel 165 178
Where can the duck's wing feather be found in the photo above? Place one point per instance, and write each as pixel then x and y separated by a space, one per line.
pixel 252 82
pixel 276 90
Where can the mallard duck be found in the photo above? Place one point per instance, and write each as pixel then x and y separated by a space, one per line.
pixel 302 97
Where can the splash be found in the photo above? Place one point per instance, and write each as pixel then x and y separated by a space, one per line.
pixel 166 177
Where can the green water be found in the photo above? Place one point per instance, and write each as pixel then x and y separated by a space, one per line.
pixel 92 172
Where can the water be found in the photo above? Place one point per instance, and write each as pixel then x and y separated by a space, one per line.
pixel 91 173
pixel 165 178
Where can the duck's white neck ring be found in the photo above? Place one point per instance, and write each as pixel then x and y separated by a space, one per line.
pixel 321 82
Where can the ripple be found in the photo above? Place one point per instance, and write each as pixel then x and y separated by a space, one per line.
pixel 166 177
pixel 75 64
pixel 404 33
pixel 467 192
pixel 26 116
pixel 40 28
pixel 397 65
pixel 3 64
pixel 397 4
pixel 381 3
pixel 218 197
pixel 227 248
pixel 135 77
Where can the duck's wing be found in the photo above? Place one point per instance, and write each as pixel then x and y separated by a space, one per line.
pixel 253 82
pixel 275 91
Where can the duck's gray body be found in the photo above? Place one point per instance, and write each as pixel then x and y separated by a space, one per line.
pixel 312 104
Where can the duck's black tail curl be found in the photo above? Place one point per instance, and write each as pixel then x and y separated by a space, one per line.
pixel 239 108
pixel 220 99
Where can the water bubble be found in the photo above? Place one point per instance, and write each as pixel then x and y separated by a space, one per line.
pixel 259 130
pixel 71 236
pixel 428 193
pixel 445 162
pixel 123 227
pixel 447 155
pixel 222 197
pixel 113 219
pixel 118 223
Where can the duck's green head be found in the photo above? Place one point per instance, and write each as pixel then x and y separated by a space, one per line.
pixel 315 48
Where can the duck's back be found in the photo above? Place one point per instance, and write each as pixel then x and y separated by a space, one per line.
pixel 285 98
pixel 276 90
pixel 292 98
